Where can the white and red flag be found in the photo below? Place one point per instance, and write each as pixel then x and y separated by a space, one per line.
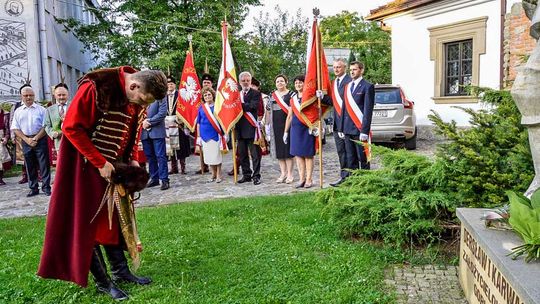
pixel 316 72
pixel 228 105
pixel 189 94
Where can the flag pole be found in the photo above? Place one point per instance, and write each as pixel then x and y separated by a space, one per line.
pixel 319 85
pixel 201 156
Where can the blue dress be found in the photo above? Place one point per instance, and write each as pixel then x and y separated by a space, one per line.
pixel 302 143
pixel 205 127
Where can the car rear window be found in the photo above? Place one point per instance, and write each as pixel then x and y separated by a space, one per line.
pixel 387 96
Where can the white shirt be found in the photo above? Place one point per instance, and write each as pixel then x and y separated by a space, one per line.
pixel 356 82
pixel 30 120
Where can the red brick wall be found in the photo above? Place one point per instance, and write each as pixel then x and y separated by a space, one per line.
pixel 518 44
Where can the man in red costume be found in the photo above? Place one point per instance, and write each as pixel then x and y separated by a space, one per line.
pixel 102 128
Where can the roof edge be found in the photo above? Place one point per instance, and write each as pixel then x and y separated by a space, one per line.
pixel 395 7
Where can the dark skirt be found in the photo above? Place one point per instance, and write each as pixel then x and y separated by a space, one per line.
pixel 185 149
pixel 278 125
pixel 302 143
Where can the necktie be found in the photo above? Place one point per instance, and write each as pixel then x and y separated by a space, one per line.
pixel 61 110
pixel 338 82
pixel 352 86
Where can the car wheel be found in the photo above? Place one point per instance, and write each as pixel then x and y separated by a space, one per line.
pixel 410 144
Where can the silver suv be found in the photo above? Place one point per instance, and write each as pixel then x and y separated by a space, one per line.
pixel 393 117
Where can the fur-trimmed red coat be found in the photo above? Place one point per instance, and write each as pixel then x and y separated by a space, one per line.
pixel 78 187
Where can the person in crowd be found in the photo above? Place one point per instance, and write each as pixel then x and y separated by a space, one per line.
pixel 207 80
pixel 302 137
pixel 245 130
pixel 29 125
pixel 338 89
pixel 356 118
pixel 153 139
pixel 211 138
pixel 101 131
pixel 177 134
pixel 56 114
pixel 5 157
pixel 277 111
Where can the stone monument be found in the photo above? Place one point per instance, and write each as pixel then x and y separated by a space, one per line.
pixel 526 92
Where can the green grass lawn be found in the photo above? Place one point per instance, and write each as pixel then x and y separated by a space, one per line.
pixel 275 249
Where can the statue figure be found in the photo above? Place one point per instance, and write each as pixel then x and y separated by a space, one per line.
pixel 526 92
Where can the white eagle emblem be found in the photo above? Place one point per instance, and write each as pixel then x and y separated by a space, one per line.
pixel 230 87
pixel 189 92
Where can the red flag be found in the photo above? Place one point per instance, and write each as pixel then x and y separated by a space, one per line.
pixel 315 70
pixel 189 94
pixel 228 106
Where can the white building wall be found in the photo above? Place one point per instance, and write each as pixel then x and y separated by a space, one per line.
pixel 63 50
pixel 411 64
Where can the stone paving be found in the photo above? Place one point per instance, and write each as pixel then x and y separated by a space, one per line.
pixel 425 284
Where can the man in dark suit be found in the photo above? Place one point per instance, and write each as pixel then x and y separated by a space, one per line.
pixel 153 139
pixel 356 117
pixel 338 87
pixel 245 130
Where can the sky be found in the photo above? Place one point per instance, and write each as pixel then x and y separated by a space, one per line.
pixel 327 7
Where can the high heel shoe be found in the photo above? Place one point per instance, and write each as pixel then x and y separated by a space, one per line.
pixel 289 180
pixel 280 179
pixel 300 185
pixel 308 185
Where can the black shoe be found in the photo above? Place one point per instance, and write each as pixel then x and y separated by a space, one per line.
pixel 300 185
pixel 244 179
pixel 32 193
pixel 256 181
pixel 119 267
pixel 164 185
pixel 339 182
pixel 47 192
pixel 230 173
pixel 152 183
pixel 112 290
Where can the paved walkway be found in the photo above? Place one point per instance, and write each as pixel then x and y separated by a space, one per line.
pixel 426 284
pixel 194 187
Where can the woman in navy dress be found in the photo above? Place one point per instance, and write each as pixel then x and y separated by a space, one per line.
pixel 301 139
pixel 277 111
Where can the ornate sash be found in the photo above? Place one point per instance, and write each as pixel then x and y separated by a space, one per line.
pixel 356 116
pixel 280 102
pixel 295 106
pixel 213 121
pixel 253 122
pixel 336 98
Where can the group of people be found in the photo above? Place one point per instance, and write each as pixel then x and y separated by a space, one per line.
pixel 33 126
pixel 113 108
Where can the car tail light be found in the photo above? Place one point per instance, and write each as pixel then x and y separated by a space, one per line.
pixel 407 104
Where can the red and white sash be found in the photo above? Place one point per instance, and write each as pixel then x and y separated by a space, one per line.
pixel 252 121
pixel 281 103
pixel 213 121
pixel 295 106
pixel 356 116
pixel 336 98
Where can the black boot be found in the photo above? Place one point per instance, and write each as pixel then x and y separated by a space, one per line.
pixel 119 267
pixel 1 177
pixel 103 282
pixel 183 166
pixel 174 164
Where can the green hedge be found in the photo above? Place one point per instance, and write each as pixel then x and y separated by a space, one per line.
pixel 412 198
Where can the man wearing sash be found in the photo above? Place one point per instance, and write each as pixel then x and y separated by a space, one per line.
pixel 248 131
pixel 356 118
pixel 338 89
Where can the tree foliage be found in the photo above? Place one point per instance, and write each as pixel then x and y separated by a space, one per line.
pixel 153 33
pixel 367 41
pixel 277 46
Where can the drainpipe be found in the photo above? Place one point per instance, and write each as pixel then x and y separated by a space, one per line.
pixel 503 17
pixel 42 42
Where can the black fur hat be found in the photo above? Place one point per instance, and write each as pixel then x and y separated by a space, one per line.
pixel 133 178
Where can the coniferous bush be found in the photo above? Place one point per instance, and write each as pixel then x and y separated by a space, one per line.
pixel 411 199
